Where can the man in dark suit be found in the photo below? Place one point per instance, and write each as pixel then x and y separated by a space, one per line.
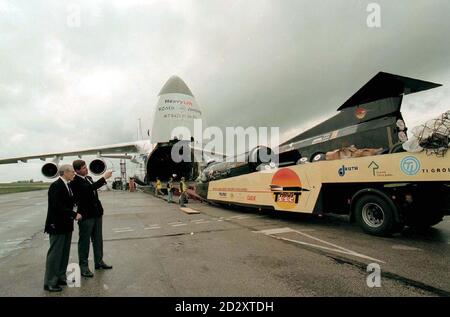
pixel 91 209
pixel 59 225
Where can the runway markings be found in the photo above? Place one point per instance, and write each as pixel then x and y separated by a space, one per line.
pixel 121 231
pixel 12 242
pixel 21 239
pixel 16 241
pixel 180 223
pixel 13 221
pixel 331 247
pixel 274 231
pixel 125 229
pixel 405 248
pixel 242 217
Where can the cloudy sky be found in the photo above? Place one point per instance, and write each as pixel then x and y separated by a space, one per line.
pixel 81 73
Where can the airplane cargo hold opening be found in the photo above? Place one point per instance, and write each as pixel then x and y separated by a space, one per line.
pixel 160 164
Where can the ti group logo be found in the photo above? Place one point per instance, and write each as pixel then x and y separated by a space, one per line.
pixel 410 165
pixel 287 188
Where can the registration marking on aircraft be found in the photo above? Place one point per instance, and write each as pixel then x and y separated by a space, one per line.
pixel 332 247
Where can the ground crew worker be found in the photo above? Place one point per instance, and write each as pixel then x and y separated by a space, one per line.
pixel 132 185
pixel 183 192
pixel 170 190
pixel 158 187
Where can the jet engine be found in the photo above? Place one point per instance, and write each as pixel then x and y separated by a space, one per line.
pixel 50 170
pixel 97 166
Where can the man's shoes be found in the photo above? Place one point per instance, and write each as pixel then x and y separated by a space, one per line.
pixel 87 273
pixel 103 266
pixel 62 283
pixel 50 288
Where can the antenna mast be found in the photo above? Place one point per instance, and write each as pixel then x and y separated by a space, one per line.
pixel 139 129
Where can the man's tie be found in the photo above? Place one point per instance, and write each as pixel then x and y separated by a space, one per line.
pixel 70 190
pixel 90 182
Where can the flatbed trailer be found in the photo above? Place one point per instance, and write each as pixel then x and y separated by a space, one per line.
pixel 383 193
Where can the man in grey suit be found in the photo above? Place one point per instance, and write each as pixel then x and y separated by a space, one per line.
pixel 59 225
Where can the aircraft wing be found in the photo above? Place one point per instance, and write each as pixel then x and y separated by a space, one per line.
pixel 121 148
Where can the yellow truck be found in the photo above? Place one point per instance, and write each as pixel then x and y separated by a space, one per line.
pixel 382 193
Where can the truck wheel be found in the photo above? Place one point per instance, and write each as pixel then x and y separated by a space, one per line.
pixel 375 215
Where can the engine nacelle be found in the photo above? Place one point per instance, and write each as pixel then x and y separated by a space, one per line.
pixel 50 170
pixel 97 166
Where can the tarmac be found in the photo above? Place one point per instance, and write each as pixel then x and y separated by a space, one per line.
pixel 159 250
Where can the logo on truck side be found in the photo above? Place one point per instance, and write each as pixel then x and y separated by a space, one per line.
pixel 410 165
pixel 286 188
pixel 344 169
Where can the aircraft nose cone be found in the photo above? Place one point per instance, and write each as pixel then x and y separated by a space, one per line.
pixel 175 85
